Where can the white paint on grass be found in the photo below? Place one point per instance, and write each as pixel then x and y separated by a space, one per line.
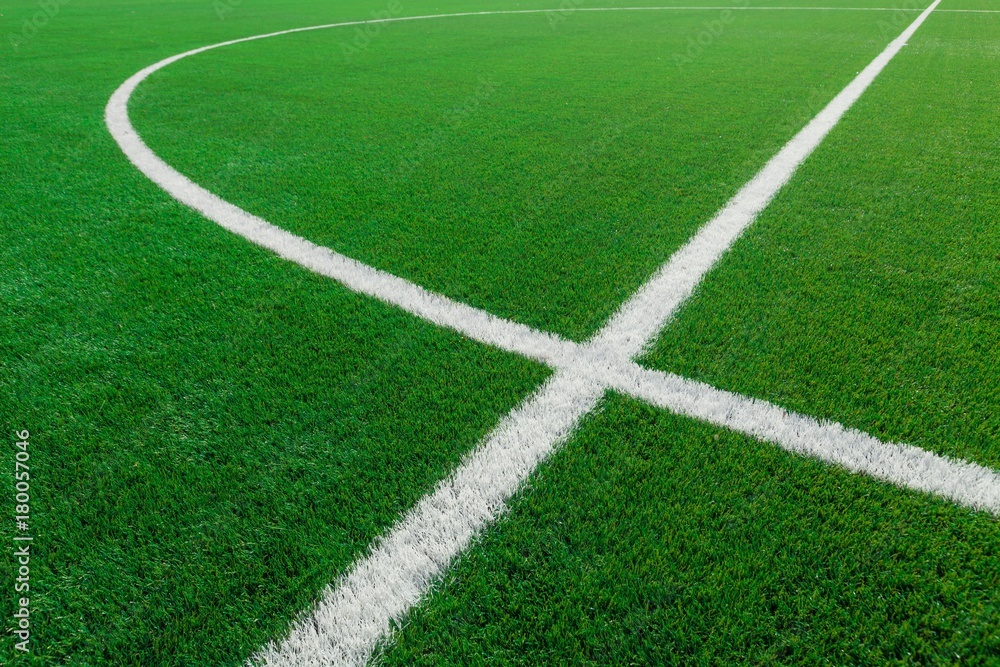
pixel 359 277
pixel 358 611
pixel 904 465
pixel 641 317
pixel 355 614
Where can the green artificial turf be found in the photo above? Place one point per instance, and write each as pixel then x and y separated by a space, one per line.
pixel 866 294
pixel 539 174
pixel 654 540
pixel 217 434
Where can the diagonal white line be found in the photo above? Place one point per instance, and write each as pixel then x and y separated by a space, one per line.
pixel 357 612
pixel 641 317
pixel 354 615
pixel 904 465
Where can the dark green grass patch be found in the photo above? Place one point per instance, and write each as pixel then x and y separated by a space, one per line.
pixel 654 540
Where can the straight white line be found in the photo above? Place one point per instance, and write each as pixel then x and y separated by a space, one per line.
pixel 358 611
pixel 904 465
pixel 143 74
pixel 475 323
pixel 639 319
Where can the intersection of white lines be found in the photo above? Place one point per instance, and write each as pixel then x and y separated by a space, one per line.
pixel 357 611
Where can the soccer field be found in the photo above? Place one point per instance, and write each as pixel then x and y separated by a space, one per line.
pixel 517 333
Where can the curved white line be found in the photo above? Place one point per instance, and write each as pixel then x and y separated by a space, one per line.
pixel 358 277
pixel 354 614
pixel 472 322
pixel 475 323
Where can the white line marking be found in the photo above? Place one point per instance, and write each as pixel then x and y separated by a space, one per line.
pixel 358 277
pixel 904 465
pixel 357 612
pixel 638 320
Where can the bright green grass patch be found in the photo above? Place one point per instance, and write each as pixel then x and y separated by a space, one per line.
pixel 541 174
pixel 654 540
pixel 867 293
pixel 216 433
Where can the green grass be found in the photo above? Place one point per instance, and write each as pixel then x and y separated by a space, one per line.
pixel 541 175
pixel 651 539
pixel 865 294
pixel 217 434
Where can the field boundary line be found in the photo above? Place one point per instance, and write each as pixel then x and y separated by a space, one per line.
pixel 358 611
